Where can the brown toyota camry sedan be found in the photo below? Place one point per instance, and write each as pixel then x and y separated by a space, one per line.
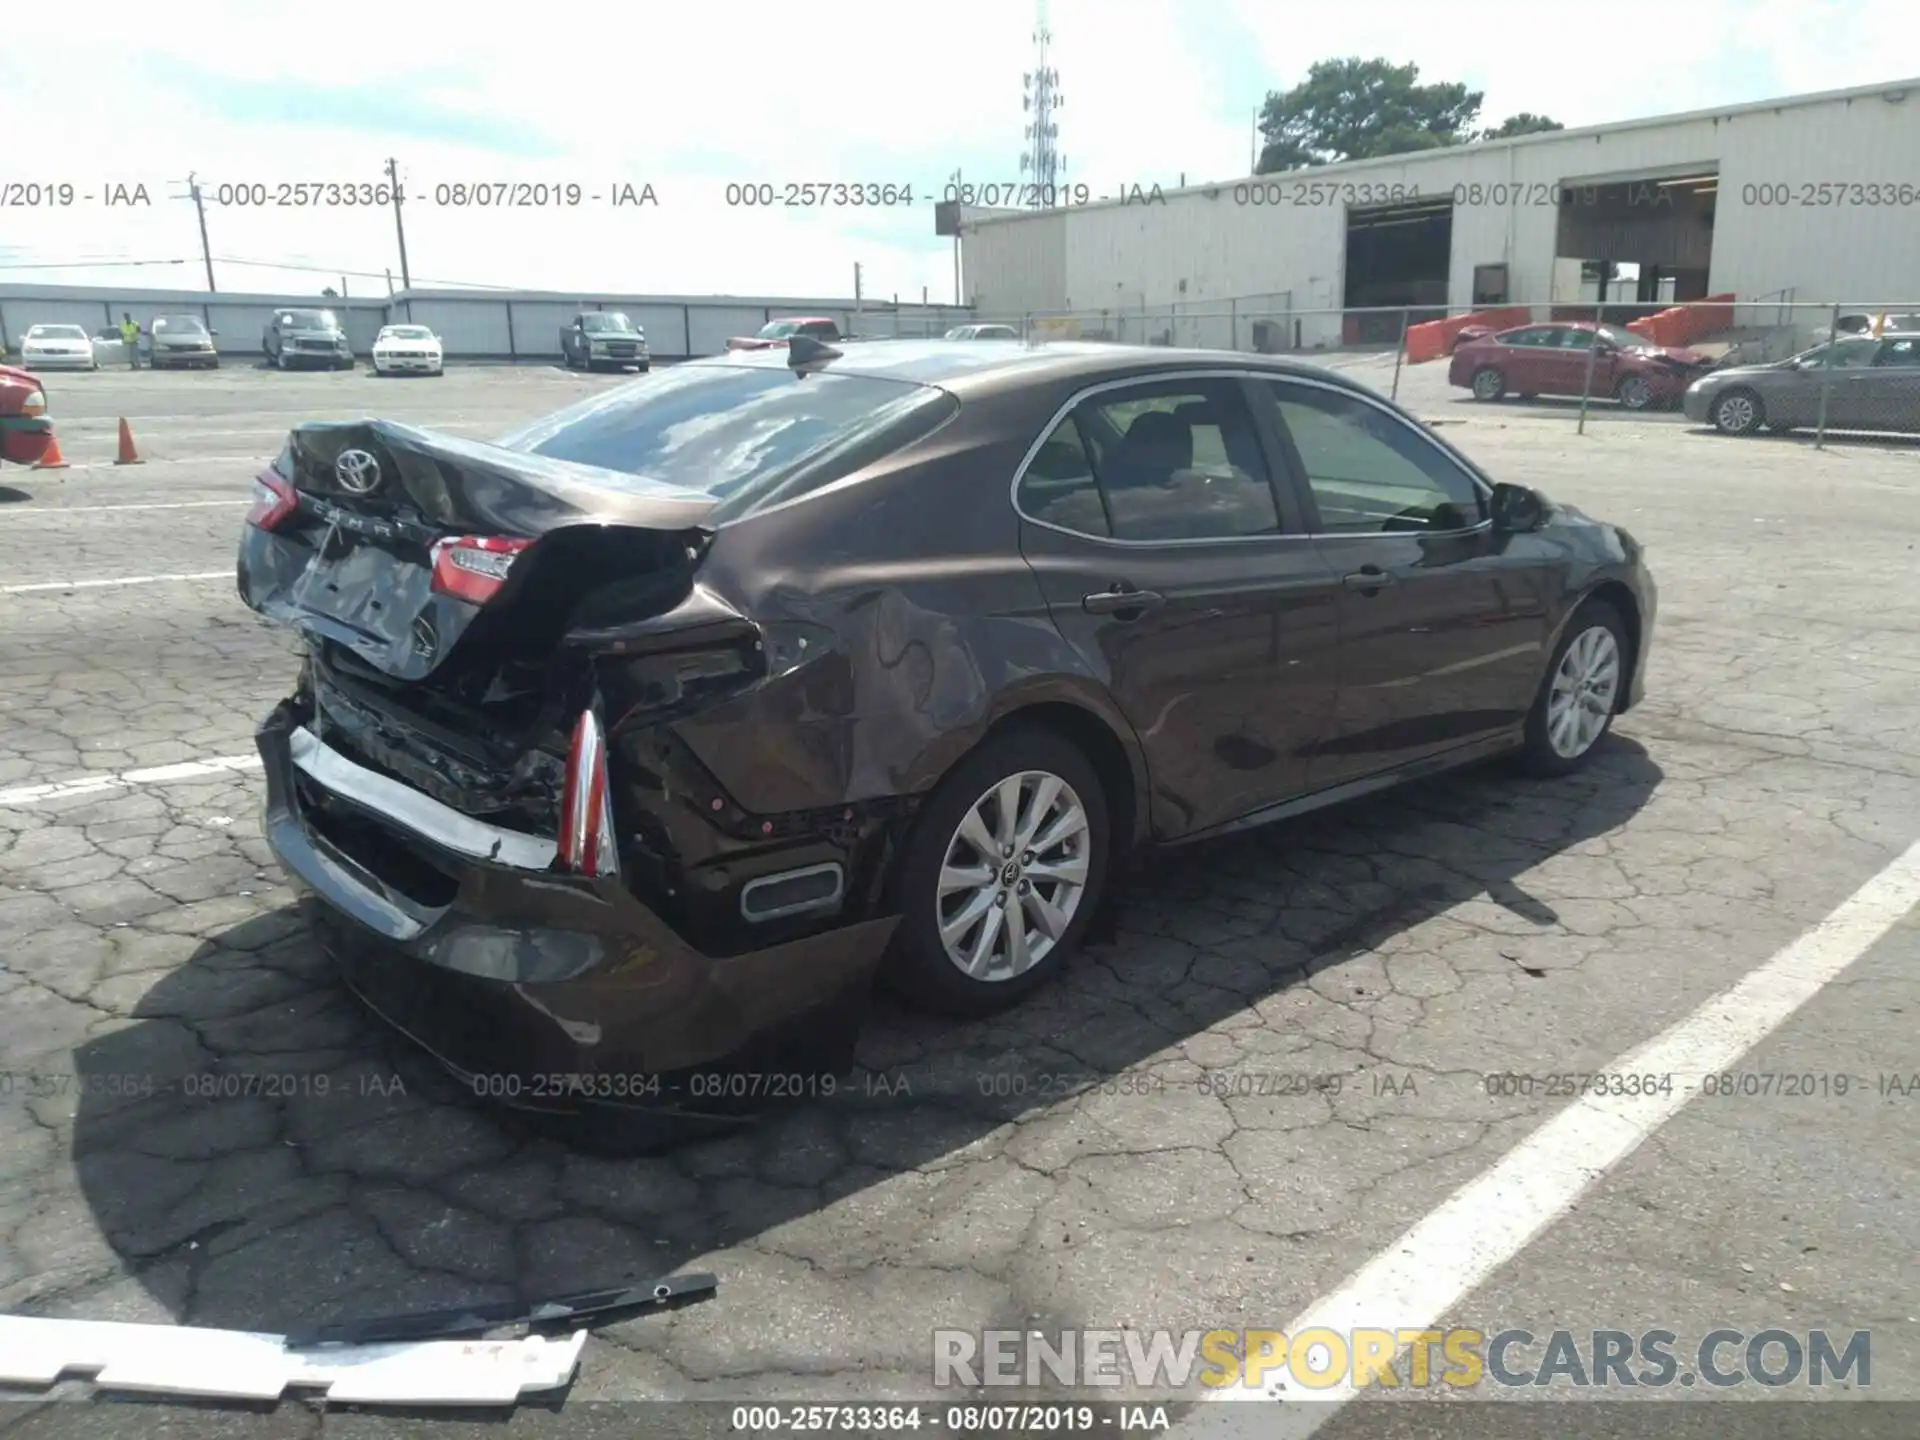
pixel 637 744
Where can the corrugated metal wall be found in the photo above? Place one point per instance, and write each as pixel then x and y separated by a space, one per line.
pixel 492 325
pixel 1220 242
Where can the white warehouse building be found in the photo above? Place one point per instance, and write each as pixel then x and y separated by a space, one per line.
pixel 1812 198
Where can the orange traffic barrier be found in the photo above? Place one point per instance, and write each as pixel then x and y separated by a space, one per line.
pixel 128 455
pixel 52 459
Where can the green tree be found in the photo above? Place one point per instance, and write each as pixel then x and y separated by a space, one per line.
pixel 1525 123
pixel 1354 109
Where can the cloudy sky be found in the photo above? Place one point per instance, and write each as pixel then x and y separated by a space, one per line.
pixel 689 98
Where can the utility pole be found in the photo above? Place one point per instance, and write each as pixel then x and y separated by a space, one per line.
pixel 199 205
pixel 400 229
pixel 857 308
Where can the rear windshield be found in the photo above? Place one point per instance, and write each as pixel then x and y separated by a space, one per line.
pixel 745 435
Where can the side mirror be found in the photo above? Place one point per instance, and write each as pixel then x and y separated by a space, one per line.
pixel 1517 510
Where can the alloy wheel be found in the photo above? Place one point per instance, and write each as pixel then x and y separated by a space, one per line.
pixel 1488 385
pixel 1585 687
pixel 1014 875
pixel 1736 413
pixel 1635 394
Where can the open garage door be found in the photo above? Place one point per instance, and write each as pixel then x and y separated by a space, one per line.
pixel 1640 242
pixel 1396 255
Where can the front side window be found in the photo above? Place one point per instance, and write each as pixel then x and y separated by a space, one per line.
pixel 1904 353
pixel 1852 354
pixel 1371 472
pixel 1172 460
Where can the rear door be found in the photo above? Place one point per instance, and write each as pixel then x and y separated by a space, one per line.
pixel 1887 396
pixel 1180 573
pixel 1526 360
pixel 1442 622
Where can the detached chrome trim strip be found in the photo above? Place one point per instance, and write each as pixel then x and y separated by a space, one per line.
pixel 422 814
pixel 1480 482
pixel 243 1365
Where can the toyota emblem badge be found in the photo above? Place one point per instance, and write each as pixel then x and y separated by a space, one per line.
pixel 357 471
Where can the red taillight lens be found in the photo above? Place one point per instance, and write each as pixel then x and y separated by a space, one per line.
pixel 587 845
pixel 274 499
pixel 473 567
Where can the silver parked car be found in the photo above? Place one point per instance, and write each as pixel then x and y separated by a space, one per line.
pixel 982 332
pixel 182 341
pixel 1870 385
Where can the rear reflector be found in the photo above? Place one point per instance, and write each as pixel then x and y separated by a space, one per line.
pixel 274 499
pixel 587 844
pixel 473 567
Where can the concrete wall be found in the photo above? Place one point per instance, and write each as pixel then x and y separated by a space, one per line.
pixel 1213 243
pixel 500 325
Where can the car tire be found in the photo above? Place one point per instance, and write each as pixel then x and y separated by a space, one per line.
pixel 1488 383
pixel 1634 393
pixel 1589 665
pixel 1737 412
pixel 280 361
pixel 919 965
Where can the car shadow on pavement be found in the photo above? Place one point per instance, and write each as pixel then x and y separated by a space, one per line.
pixel 259 1153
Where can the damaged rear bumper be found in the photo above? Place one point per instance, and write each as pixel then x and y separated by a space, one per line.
pixel 544 990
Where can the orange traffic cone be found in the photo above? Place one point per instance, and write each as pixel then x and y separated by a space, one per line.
pixel 128 455
pixel 53 459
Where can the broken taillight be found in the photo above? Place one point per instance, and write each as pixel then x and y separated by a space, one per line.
pixel 587 844
pixel 274 499
pixel 474 567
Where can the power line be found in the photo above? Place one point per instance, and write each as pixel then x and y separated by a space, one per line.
pixel 361 274
pixel 89 264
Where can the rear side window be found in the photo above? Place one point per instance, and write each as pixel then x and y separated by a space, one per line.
pixel 1059 487
pixel 1170 460
pixel 743 435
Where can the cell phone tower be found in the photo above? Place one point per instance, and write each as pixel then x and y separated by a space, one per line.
pixel 1042 164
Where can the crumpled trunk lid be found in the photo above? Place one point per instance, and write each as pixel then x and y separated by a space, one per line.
pixel 468 700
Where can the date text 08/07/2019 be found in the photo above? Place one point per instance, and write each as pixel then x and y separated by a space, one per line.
pixel 971 1419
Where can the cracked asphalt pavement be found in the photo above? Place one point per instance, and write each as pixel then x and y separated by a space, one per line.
pixel 1152 1144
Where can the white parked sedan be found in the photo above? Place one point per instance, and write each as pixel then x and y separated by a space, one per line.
pixel 57 347
pixel 407 349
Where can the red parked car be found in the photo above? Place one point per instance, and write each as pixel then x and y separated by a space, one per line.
pixel 1552 360
pixel 25 430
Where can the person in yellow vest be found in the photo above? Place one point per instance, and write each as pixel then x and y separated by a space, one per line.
pixel 130 337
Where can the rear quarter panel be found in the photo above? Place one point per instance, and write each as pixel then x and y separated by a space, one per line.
pixel 924 624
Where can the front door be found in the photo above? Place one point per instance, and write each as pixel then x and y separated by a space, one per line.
pixel 1886 396
pixel 1166 556
pixel 1443 622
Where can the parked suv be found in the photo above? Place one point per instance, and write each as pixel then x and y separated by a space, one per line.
pixel 604 337
pixel 307 337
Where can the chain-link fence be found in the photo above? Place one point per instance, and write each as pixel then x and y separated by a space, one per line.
pixel 1773 363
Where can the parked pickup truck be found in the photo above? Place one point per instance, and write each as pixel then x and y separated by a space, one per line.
pixel 777 332
pixel 604 337
pixel 25 430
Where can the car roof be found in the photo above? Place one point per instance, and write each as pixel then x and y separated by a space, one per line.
pixel 803 320
pixel 1011 364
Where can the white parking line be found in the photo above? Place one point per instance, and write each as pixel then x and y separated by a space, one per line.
pixel 152 775
pixel 96 509
pixel 1421 1278
pixel 123 580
